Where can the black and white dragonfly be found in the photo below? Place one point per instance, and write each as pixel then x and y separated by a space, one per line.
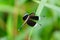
pixel 29 19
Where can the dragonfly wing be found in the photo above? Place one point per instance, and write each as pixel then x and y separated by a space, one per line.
pixel 31 23
pixel 34 17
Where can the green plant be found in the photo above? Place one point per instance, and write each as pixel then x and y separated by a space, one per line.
pixel 47 27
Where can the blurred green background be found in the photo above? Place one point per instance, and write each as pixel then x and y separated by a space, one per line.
pixel 46 28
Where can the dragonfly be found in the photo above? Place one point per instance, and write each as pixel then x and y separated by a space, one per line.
pixel 28 18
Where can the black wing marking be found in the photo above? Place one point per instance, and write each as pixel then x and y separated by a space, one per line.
pixel 25 17
pixel 31 23
pixel 34 17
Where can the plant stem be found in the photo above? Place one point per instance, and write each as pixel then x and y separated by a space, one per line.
pixel 38 12
pixel 50 6
pixel 40 7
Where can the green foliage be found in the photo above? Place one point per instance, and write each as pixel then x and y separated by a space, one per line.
pixel 2 33
pixel 47 27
